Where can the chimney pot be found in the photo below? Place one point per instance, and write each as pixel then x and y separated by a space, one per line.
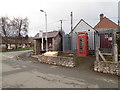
pixel 101 16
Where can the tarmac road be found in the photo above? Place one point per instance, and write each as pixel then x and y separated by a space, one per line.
pixel 17 73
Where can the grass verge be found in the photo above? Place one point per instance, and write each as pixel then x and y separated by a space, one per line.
pixel 18 49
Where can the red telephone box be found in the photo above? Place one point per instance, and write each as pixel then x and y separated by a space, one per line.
pixel 82 44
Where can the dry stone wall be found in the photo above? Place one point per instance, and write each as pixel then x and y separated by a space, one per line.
pixel 107 67
pixel 57 60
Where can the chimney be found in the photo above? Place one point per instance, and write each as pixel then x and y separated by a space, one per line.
pixel 101 16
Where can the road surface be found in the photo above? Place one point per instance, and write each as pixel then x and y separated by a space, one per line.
pixel 18 73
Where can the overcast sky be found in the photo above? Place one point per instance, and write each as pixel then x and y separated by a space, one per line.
pixel 58 10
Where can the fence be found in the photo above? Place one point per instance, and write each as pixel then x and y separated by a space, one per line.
pixel 66 43
pixel 70 42
pixel 104 40
pixel 74 42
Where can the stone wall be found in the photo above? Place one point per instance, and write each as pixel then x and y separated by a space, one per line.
pixel 57 60
pixel 107 67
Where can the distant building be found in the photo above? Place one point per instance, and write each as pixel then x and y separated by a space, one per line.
pixel 14 42
pixel 54 41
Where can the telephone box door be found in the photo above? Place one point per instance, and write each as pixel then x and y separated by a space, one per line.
pixel 82 44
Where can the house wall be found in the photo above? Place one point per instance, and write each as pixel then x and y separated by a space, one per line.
pixel 50 44
pixel 13 46
pixel 83 27
pixel 101 30
pixel 24 45
pixel 27 45
pixel 2 46
pixel 19 45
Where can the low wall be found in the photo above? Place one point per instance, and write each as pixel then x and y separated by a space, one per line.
pixel 107 67
pixel 57 60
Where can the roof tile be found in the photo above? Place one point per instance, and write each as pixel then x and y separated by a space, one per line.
pixel 106 23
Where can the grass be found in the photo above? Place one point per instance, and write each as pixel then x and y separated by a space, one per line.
pixel 66 55
pixel 18 49
pixel 109 58
pixel 74 56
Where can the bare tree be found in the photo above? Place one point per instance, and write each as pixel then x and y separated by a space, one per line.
pixel 5 25
pixel 21 25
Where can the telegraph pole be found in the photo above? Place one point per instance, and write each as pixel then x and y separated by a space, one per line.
pixel 71 20
pixel 118 39
pixel 71 15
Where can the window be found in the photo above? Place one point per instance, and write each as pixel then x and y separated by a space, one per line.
pixel 88 29
pixel 3 45
pixel 50 44
pixel 106 35
pixel 12 45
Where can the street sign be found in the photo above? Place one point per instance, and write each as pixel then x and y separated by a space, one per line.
pixel 40 33
pixel 45 37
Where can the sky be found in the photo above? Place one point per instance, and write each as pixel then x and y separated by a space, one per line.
pixel 57 10
pixel 119 10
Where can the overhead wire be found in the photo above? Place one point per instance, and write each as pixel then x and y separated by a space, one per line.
pixel 74 19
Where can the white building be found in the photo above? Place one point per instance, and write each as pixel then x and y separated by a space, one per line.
pixel 83 26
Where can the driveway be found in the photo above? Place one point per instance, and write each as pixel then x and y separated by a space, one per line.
pixel 20 73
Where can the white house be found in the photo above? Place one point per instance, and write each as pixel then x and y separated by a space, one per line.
pixel 83 26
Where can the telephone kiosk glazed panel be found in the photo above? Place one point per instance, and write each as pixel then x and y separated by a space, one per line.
pixel 82 44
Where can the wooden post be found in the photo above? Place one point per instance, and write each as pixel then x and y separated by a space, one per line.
pixel 97 40
pixel 37 46
pixel 53 44
pixel 97 54
pixel 101 55
pixel 115 49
